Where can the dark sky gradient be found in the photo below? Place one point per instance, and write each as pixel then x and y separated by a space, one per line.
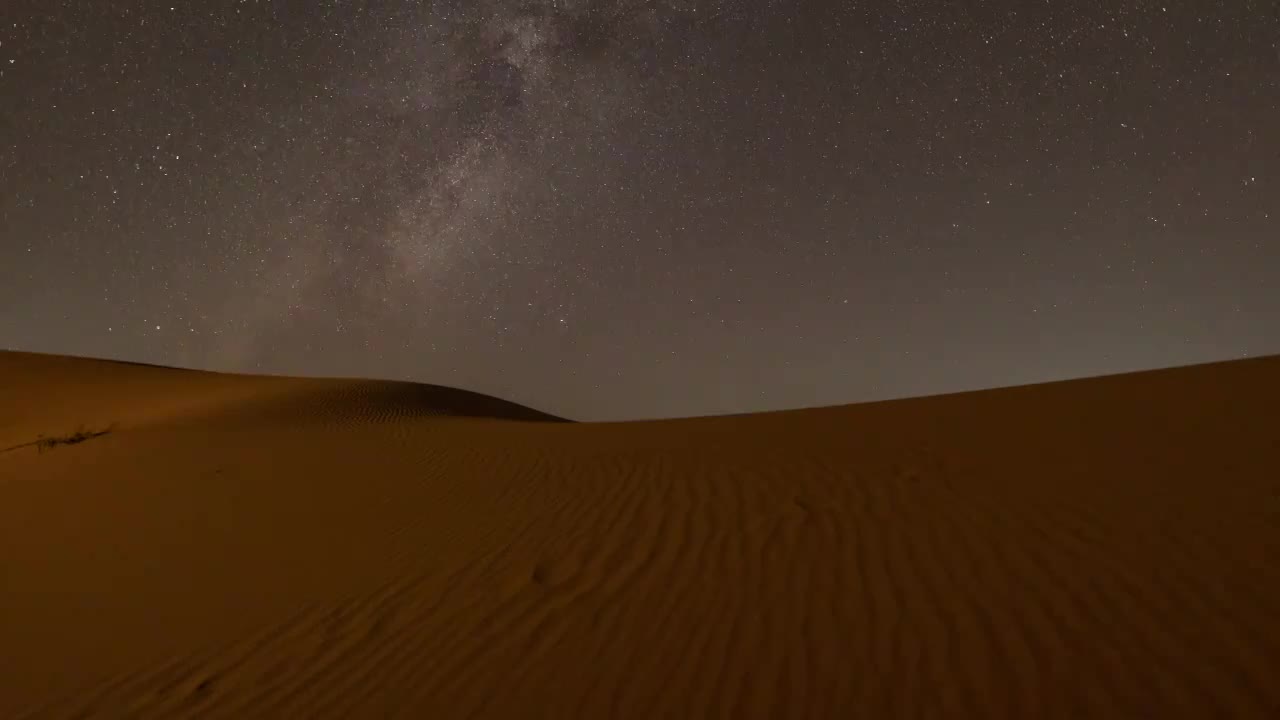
pixel 621 209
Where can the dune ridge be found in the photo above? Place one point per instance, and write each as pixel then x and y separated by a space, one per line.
pixel 241 546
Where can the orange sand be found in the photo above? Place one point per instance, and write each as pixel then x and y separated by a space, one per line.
pixel 268 547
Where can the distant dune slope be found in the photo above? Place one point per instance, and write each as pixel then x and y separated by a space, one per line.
pixel 176 543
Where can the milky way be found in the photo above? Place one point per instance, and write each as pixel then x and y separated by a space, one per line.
pixel 623 209
pixel 439 146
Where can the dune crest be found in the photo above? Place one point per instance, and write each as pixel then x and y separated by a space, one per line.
pixel 240 546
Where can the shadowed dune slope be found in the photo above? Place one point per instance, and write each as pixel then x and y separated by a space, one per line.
pixel 186 544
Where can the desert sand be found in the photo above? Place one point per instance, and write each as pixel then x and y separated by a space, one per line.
pixel 176 543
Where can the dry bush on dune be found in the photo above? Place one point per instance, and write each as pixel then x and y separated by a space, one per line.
pixel 43 443
pixel 79 436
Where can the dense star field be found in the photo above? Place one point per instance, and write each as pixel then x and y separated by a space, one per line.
pixel 622 209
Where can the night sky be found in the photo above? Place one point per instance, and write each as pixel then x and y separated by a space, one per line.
pixel 620 209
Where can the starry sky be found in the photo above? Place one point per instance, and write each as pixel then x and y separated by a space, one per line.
pixel 613 209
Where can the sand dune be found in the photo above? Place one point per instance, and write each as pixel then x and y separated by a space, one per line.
pixel 224 546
